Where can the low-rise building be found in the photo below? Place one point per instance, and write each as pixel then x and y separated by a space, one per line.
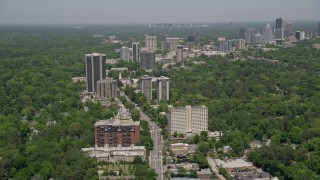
pixel 116 154
pixel 79 79
pixel 253 175
pixel 235 165
pixel 216 135
pixel 204 174
pixel 120 69
pixel 179 148
pixel 316 46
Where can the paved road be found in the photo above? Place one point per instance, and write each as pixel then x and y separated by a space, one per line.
pixel 214 168
pixel 155 158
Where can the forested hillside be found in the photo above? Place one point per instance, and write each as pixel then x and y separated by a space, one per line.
pixel 43 124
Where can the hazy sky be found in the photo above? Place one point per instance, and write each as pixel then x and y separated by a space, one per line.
pixel 151 11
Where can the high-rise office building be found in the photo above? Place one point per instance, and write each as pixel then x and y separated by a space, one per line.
pixel 95 70
pixel 163 88
pixel 136 52
pixel 287 29
pixel 147 60
pixel 241 44
pixel 250 32
pixel 146 86
pixel 279 23
pixel 120 131
pixel 150 42
pixel 124 53
pixel 279 34
pixel 258 39
pixel 242 34
pixel 302 35
pixel 298 35
pixel 268 36
pixel 106 89
pixel 319 29
pixel 196 36
pixel 278 31
pixel 170 43
pixel 179 53
pixel 189 119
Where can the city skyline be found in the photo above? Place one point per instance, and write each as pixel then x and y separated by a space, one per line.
pixel 124 11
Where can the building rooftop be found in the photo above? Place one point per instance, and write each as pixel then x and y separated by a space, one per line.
pixel 145 77
pixel 232 163
pixel 131 148
pixel 123 118
pixel 95 54
pixel 163 78
pixel 204 171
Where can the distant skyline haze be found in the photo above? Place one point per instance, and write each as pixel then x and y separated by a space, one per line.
pixel 154 11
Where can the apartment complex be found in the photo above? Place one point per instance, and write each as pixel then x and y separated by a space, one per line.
pixel 106 89
pixel 225 46
pixel 163 88
pixel 124 53
pixel 147 60
pixel 150 42
pixel 146 86
pixel 170 43
pixel 136 52
pixel 116 154
pixel 95 70
pixel 241 44
pixel 120 131
pixel 179 53
pixel 189 119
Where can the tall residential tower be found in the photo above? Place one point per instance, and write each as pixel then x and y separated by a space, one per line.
pixel 124 53
pixel 163 88
pixel 150 42
pixel 189 119
pixel 136 52
pixel 106 89
pixel 147 60
pixel 146 86
pixel 95 70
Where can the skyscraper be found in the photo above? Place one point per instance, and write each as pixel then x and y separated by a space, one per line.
pixel 106 89
pixel 189 119
pixel 170 43
pixel 319 29
pixel 279 23
pixel 95 70
pixel 124 53
pixel 241 44
pixel 242 34
pixel 225 46
pixel 147 60
pixel 163 88
pixel 288 29
pixel 151 42
pixel 136 52
pixel 298 35
pixel 179 53
pixel 258 39
pixel 268 36
pixel 146 86
pixel 278 31
pixel 250 32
